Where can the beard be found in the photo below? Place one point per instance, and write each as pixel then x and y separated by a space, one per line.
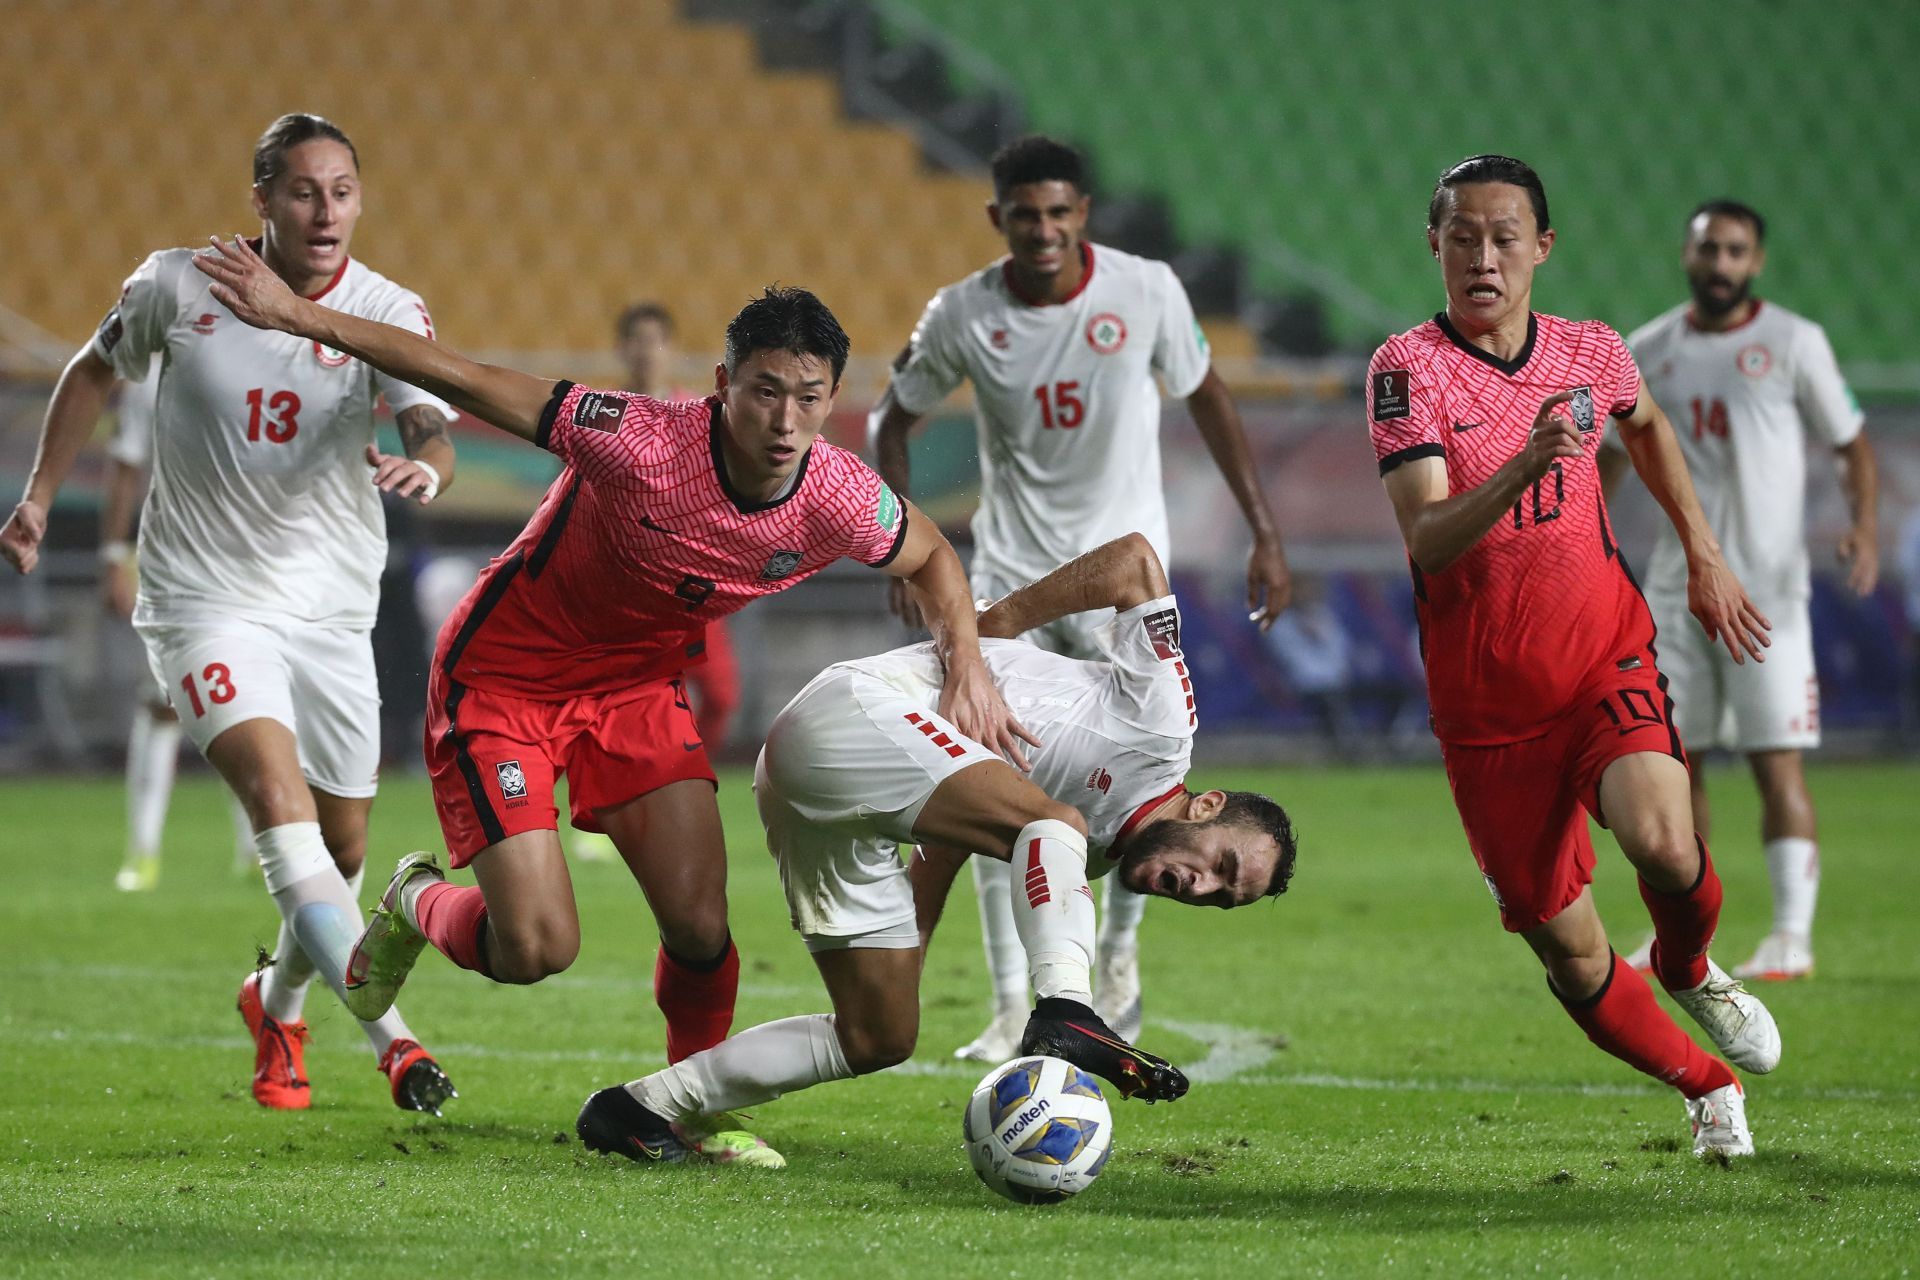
pixel 1719 304
pixel 1154 839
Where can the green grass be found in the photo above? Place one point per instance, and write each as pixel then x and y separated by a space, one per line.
pixel 1385 1086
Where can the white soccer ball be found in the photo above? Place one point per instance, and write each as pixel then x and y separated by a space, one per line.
pixel 1038 1130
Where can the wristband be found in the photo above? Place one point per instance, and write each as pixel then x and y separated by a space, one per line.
pixel 116 552
pixel 432 490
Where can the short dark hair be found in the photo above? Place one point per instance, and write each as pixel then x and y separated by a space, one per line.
pixel 289 131
pixel 787 319
pixel 1725 208
pixel 1491 168
pixel 1259 813
pixel 1036 158
pixel 633 315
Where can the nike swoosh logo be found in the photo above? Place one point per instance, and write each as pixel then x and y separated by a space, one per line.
pixel 1467 426
pixel 649 524
pixel 691 746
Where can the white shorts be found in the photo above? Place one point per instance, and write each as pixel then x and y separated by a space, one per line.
pixel 1754 706
pixel 318 681
pixel 1070 637
pixel 847 768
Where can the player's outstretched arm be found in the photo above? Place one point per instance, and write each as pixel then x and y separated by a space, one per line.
pixel 1714 595
pixel 1860 548
pixel 1439 529
pixel 1269 581
pixel 888 427
pixel 246 286
pixel 79 399
pixel 1115 575
pixel 930 565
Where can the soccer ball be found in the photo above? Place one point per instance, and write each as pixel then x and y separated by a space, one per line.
pixel 1038 1130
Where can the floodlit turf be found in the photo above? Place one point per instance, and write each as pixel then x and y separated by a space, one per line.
pixel 1383 1085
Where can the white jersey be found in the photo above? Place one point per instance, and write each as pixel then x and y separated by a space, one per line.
pixel 1118 731
pixel 1067 407
pixel 132 441
pixel 262 505
pixel 1743 403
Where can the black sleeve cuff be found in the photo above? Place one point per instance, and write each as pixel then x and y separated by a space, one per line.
pixel 1627 412
pixel 1399 456
pixel 899 540
pixel 544 431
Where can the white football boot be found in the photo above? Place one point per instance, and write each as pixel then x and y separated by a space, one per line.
pixel 1780 957
pixel 1116 993
pixel 1719 1121
pixel 1000 1041
pixel 1739 1024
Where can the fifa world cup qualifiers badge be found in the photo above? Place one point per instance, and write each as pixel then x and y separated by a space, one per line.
pixel 1391 398
pixel 599 411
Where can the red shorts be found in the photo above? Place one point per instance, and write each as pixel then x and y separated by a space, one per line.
pixel 1525 804
pixel 494 757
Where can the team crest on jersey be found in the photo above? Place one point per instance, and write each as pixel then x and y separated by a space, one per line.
pixel 1163 631
pixel 513 780
pixel 998 340
pixel 887 513
pixel 1754 360
pixel 329 357
pixel 1581 406
pixel 780 564
pixel 1106 333
pixel 1392 395
pixel 599 411
pixel 204 325
pixel 112 329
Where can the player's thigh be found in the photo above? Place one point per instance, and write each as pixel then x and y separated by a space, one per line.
pixel 630 746
pixel 876 1001
pixel 1692 665
pixel 336 697
pixel 260 763
pixel 1525 826
pixel 672 841
pixel 841 879
pixel 1629 766
pixel 1776 704
pixel 1649 808
pixel 984 807
pixel 533 926
pixel 219 672
pixel 492 762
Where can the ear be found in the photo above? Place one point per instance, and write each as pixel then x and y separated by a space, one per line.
pixel 1433 242
pixel 1206 806
pixel 1543 247
pixel 259 202
pixel 1759 258
pixel 720 378
pixel 993 216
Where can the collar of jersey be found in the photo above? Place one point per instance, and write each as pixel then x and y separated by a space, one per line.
pixel 1135 818
pixel 1508 367
pixel 1693 325
pixel 744 505
pixel 1086 278
pixel 258 244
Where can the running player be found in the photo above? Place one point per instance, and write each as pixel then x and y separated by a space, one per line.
pixel 1539 649
pixel 153 743
pixel 1063 341
pixel 567 655
pixel 1757 381
pixel 260 551
pixel 860 764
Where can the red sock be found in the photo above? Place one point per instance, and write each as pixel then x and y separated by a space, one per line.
pixel 1624 1019
pixel 697 999
pixel 454 918
pixel 1683 925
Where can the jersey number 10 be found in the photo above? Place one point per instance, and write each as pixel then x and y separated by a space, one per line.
pixel 1061 406
pixel 279 421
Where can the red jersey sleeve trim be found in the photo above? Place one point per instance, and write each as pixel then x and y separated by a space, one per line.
pixel 899 540
pixel 1138 815
pixel 544 432
pixel 1400 456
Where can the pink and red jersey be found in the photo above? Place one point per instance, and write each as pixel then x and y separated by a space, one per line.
pixel 642 542
pixel 1524 622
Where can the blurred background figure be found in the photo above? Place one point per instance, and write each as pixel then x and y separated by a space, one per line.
pixel 1316 660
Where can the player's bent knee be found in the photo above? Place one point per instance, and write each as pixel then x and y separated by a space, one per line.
pixel 877 1047
pixel 527 959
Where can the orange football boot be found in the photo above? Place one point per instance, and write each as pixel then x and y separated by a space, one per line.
pixel 279 1053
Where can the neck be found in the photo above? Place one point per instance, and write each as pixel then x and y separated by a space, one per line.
pixel 754 486
pixel 299 279
pixel 1174 806
pixel 1732 318
pixel 1504 338
pixel 1058 286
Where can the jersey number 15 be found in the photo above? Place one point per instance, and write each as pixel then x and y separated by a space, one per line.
pixel 1061 405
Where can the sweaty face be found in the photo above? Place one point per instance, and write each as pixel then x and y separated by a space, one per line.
pixel 1044 223
pixel 1203 864
pixel 1488 245
pixel 647 353
pixel 310 208
pixel 1722 257
pixel 776 403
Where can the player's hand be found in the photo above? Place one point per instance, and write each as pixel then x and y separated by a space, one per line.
pixel 403 477
pixel 1269 582
pixel 1554 436
pixel 117 588
pixel 1860 552
pixel 970 700
pixel 245 285
pixel 1718 600
pixel 20 536
pixel 902 605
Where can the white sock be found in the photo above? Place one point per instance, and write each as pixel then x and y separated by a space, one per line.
pixel 1793 864
pixel 283 987
pixel 745 1070
pixel 1120 912
pixel 1053 910
pixel 153 752
pixel 1006 958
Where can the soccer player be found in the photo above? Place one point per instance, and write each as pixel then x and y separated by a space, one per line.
pixel 153 743
pixel 1753 382
pixel 860 765
pixel 260 551
pixel 568 654
pixel 1538 646
pixel 1063 341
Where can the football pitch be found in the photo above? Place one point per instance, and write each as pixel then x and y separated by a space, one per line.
pixel 1382 1084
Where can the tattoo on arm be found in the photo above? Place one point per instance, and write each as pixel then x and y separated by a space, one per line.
pixel 419 426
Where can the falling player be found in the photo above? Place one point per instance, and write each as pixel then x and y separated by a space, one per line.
pixel 568 654
pixel 1539 649
pixel 1757 380
pixel 153 743
pixel 1063 341
pixel 860 765
pixel 260 552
